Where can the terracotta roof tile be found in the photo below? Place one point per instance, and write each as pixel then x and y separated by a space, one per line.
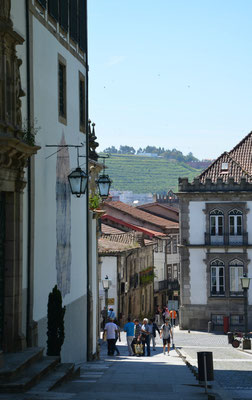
pixel 140 215
pixel 238 160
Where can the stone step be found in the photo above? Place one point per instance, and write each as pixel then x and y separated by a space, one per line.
pixel 14 363
pixel 29 376
pixel 61 373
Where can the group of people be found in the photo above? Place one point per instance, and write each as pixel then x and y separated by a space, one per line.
pixel 163 313
pixel 138 334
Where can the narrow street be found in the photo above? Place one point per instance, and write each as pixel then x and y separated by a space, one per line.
pixel 161 376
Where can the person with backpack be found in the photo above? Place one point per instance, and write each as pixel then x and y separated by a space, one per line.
pixel 166 334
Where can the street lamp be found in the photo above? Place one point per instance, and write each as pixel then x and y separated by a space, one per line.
pixel 106 284
pixel 78 182
pixel 245 281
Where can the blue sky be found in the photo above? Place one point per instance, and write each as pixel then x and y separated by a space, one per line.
pixel 171 73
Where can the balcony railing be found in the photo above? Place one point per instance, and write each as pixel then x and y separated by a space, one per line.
pixel 226 239
pixel 168 285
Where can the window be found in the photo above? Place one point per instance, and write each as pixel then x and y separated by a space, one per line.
pixel 216 223
pixel 217 278
pixel 160 245
pixel 217 319
pixel 82 103
pixel 224 166
pixel 168 246
pixel 42 3
pixel 53 9
pixel 236 273
pixel 235 223
pixel 236 320
pixel 62 90
pixel 174 245
pixel 82 24
pixel 63 14
pixel 73 19
pixel 175 271
pixel 169 272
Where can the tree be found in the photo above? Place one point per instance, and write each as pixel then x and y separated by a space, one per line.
pixel 111 150
pixel 127 150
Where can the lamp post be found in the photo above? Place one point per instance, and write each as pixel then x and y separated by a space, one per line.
pixel 245 281
pixel 106 284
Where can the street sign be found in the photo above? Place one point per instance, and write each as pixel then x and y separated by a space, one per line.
pixel 173 305
pixel 111 302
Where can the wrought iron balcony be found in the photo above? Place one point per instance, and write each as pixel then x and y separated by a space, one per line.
pixel 226 239
pixel 168 285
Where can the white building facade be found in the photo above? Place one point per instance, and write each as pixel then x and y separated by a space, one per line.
pixel 57 226
pixel 216 250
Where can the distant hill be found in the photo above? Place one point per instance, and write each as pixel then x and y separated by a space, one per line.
pixel 147 174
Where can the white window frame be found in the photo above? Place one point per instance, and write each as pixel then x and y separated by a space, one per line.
pixel 217 266
pixel 236 228
pixel 236 269
pixel 216 216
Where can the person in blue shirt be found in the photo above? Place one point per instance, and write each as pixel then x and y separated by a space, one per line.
pixel 111 313
pixel 129 329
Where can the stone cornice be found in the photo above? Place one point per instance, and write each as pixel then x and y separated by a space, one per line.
pixel 15 153
pixel 209 186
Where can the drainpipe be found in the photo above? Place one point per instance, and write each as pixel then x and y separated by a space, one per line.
pixel 87 196
pixel 28 72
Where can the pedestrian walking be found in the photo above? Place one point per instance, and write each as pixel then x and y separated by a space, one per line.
pixel 111 313
pixel 110 330
pixel 129 329
pixel 173 316
pixel 166 334
pixel 145 336
pixel 117 336
pixel 157 315
pixel 137 335
pixel 103 315
pixel 154 328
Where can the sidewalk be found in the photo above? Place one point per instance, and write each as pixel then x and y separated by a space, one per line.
pixel 232 367
pixel 124 377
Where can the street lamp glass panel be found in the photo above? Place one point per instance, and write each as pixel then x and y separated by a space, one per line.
pixel 104 183
pixel 245 282
pixel 78 182
pixel 106 284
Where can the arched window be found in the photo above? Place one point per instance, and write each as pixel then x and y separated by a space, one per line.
pixel 216 227
pixel 235 223
pixel 235 274
pixel 217 278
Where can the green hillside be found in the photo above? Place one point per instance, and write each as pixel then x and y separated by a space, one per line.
pixel 146 174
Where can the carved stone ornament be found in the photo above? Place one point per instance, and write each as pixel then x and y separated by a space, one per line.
pixel 5 6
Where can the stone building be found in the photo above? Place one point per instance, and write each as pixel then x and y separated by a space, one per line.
pixel 216 241
pixel 127 259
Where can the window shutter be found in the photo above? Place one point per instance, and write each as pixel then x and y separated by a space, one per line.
pixel 73 17
pixel 53 9
pixel 63 14
pixel 42 3
pixel 82 24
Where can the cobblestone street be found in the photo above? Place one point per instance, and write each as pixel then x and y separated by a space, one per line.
pixel 232 367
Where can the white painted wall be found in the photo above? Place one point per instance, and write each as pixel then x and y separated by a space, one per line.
pixel 198 276
pixel 109 267
pixel 94 283
pixel 197 221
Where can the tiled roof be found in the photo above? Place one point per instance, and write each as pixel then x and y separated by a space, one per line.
pixel 108 246
pixel 149 232
pixel 238 160
pixel 140 215
pixel 110 230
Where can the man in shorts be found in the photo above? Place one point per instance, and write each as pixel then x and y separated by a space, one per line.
pixel 166 333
